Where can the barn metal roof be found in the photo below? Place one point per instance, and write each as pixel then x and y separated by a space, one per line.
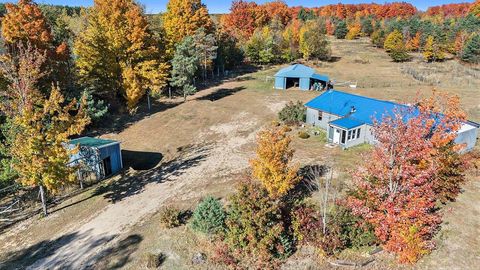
pixel 300 71
pixel 93 142
pixel 356 107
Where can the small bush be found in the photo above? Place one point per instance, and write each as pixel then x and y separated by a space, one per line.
pixel 275 123
pixel 354 231
pixel 209 216
pixel 223 256
pixel 153 261
pixel 307 228
pixel 306 224
pixel 303 134
pixel 292 113
pixel 255 226
pixel 170 217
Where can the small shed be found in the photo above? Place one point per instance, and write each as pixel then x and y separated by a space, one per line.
pixel 96 158
pixel 301 76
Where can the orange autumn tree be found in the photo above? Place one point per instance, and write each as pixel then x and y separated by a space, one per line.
pixel 25 22
pixel 413 44
pixel 242 20
pixel 475 8
pixel 397 190
pixel 272 164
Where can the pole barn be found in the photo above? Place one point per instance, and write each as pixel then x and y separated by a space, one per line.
pixel 299 76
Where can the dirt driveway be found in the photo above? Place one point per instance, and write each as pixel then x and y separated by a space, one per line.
pixel 209 137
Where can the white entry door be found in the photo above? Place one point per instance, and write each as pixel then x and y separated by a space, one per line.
pixel 336 136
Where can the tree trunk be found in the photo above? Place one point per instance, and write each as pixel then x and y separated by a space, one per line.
pixel 44 200
pixel 148 100
pixel 184 96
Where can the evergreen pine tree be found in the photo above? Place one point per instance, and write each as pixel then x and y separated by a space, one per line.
pixel 471 50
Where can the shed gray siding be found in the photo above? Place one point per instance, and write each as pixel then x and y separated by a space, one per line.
pixel 312 118
pixel 468 137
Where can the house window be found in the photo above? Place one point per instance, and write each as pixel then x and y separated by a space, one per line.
pixel 349 138
pixel 320 116
pixel 358 133
pixel 344 135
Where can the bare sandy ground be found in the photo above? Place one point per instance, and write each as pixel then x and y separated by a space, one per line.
pixel 209 160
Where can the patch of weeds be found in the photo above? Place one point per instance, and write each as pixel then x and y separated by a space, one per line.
pixel 170 217
pixel 303 134
pixel 153 261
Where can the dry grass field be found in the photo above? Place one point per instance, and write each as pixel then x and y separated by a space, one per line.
pixel 184 151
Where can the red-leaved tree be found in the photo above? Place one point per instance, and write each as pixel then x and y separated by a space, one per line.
pixel 397 190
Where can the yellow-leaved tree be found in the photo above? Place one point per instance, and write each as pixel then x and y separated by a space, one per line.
pixel 38 125
pixel 38 149
pixel 272 164
pixel 117 55
pixel 432 51
pixel 183 18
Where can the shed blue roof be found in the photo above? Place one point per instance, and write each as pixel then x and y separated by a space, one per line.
pixel 92 142
pixel 347 123
pixel 300 71
pixel 365 109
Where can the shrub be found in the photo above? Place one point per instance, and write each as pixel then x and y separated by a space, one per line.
pixel 292 113
pixel 222 255
pixel 307 228
pixel 153 261
pixel 354 231
pixel 254 225
pixel 303 134
pixel 170 217
pixel 306 224
pixel 450 175
pixel 209 216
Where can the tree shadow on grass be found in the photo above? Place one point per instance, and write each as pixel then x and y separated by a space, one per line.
pixel 117 256
pixel 221 93
pixel 22 258
pixel 121 121
pixel 134 183
pixel 111 258
pixel 310 177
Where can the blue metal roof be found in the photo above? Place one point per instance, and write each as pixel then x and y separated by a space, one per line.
pixel 347 123
pixel 300 71
pixel 360 108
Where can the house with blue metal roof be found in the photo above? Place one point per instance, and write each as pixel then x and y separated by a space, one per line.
pixel 300 76
pixel 348 118
pixel 96 158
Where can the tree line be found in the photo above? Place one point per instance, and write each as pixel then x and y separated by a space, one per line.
pixel 274 32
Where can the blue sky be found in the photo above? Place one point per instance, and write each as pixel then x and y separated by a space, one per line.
pixel 222 6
